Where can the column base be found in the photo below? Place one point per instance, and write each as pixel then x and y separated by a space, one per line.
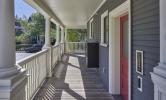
pixel 9 71
pixel 13 87
pixel 159 79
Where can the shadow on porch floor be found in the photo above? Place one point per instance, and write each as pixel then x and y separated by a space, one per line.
pixel 73 81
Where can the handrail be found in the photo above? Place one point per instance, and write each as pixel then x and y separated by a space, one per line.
pixel 75 42
pixel 55 45
pixel 29 58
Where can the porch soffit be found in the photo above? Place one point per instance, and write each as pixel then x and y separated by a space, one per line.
pixel 72 13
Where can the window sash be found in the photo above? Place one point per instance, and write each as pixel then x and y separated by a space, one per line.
pixel 105 30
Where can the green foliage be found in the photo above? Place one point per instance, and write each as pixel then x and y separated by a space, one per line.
pixel 53 31
pixel 37 24
pixel 34 25
pixel 76 35
pixel 23 38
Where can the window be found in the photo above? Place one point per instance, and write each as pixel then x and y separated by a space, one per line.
pixel 91 33
pixel 104 29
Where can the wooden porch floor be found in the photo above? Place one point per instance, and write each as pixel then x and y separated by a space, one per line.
pixel 73 81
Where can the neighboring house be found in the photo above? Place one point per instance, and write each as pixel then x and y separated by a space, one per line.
pixel 119 36
pixel 18 28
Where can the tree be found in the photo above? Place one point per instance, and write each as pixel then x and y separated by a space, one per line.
pixel 36 24
pixel 76 35
pixel 23 38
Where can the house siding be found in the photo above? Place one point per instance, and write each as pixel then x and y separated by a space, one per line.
pixel 103 51
pixel 145 37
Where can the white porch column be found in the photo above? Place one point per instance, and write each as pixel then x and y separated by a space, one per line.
pixel 48 46
pixel 62 41
pixel 12 77
pixel 159 74
pixel 57 33
pixel 47 32
pixel 62 35
pixel 65 34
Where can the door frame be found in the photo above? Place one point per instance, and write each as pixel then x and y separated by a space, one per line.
pixel 114 48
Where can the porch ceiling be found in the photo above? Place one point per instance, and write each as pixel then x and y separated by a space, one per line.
pixel 73 13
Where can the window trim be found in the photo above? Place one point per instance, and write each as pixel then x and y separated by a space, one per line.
pixel 90 29
pixel 105 14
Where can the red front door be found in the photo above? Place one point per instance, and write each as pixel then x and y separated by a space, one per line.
pixel 124 56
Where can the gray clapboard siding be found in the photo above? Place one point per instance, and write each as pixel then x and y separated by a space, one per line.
pixel 145 36
pixel 103 51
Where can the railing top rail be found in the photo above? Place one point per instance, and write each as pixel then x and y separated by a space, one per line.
pixel 31 57
pixel 75 42
pixel 56 45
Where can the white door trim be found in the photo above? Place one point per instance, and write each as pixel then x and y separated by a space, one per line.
pixel 114 47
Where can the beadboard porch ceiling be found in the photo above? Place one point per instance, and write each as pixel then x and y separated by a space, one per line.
pixel 73 13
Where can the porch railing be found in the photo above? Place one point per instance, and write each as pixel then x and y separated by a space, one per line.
pixel 37 65
pixel 37 71
pixel 75 47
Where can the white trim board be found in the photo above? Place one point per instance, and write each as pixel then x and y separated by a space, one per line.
pixel 114 48
pixel 90 29
pixel 105 14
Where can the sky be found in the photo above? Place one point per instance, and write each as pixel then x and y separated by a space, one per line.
pixel 22 8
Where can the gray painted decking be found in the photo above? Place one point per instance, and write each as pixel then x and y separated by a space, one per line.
pixel 73 81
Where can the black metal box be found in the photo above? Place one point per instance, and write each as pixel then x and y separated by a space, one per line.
pixel 93 54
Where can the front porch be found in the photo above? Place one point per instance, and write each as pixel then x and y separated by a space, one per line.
pixel 72 80
pixel 67 78
pixel 130 37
